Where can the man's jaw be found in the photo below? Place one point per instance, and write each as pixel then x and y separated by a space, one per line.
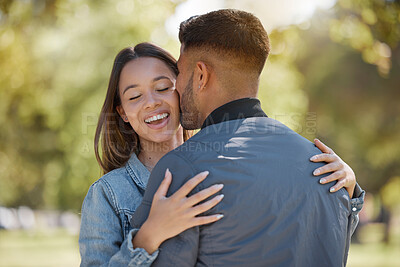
pixel 190 120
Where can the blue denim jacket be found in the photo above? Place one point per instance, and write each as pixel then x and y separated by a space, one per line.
pixel 106 234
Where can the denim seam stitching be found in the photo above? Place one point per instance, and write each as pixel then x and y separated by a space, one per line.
pixel 112 196
pixel 134 176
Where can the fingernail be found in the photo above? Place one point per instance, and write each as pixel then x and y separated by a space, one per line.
pixel 313 158
pixel 219 185
pixel 316 172
pixel 167 171
pixel 219 216
pixel 321 181
pixel 331 189
pixel 221 196
pixel 205 172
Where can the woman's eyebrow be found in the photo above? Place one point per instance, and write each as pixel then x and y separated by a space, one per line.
pixel 160 78
pixel 129 87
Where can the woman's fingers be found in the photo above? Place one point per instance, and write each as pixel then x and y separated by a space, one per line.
pixel 190 185
pixel 331 167
pixel 204 194
pixel 206 205
pixel 340 170
pixel 201 220
pixel 333 177
pixel 324 157
pixel 324 148
pixel 171 216
pixel 338 185
pixel 163 188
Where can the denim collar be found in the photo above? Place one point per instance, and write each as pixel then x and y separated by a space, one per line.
pixel 138 172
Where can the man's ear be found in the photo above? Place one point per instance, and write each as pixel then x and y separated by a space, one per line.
pixel 122 113
pixel 201 75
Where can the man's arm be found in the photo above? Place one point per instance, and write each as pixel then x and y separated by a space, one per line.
pixel 182 249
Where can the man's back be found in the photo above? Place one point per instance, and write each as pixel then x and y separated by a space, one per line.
pixel 275 212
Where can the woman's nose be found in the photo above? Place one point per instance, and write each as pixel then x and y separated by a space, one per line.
pixel 152 101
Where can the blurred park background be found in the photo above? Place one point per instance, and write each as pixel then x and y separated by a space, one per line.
pixel 333 73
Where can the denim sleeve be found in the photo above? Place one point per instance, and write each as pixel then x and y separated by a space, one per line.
pixel 101 240
pixel 180 250
pixel 356 203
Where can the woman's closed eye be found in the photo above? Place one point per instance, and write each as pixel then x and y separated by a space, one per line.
pixel 134 97
pixel 165 89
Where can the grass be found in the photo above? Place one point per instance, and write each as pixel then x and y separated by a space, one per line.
pixel 372 252
pixel 38 249
pixel 373 255
pixel 59 249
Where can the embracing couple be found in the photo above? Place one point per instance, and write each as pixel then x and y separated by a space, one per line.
pixel 240 192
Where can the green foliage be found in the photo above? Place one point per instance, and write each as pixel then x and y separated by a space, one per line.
pixel 281 85
pixel 357 105
pixel 371 27
pixel 390 194
pixel 55 60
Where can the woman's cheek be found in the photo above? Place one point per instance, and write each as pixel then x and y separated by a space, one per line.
pixel 134 121
pixel 176 99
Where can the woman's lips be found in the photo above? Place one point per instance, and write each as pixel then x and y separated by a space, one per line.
pixel 158 124
pixel 156 117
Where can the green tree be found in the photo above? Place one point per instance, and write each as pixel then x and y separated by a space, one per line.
pixel 371 27
pixel 55 60
pixel 357 105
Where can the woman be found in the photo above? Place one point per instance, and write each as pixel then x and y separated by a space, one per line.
pixel 133 139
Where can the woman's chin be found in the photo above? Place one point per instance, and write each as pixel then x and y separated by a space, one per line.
pixel 164 137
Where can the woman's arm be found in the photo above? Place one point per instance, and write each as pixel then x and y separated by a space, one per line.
pixel 101 238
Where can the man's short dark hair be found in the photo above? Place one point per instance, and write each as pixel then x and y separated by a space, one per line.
pixel 231 33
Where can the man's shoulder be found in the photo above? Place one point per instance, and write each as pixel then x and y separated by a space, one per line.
pixel 218 138
pixel 213 138
pixel 259 125
pixel 190 149
pixel 182 155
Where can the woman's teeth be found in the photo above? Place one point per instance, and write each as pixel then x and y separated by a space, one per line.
pixel 156 117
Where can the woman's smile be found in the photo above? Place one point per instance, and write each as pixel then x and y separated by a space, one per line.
pixel 157 120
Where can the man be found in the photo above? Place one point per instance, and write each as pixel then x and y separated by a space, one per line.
pixel 275 212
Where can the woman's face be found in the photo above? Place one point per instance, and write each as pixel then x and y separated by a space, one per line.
pixel 149 100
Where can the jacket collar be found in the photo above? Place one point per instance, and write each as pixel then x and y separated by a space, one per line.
pixel 138 172
pixel 238 109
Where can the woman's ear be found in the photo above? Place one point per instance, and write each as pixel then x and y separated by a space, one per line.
pixel 201 75
pixel 122 113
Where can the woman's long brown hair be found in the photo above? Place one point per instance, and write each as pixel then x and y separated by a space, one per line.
pixel 118 139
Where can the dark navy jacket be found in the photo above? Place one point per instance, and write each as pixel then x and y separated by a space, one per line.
pixel 275 211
